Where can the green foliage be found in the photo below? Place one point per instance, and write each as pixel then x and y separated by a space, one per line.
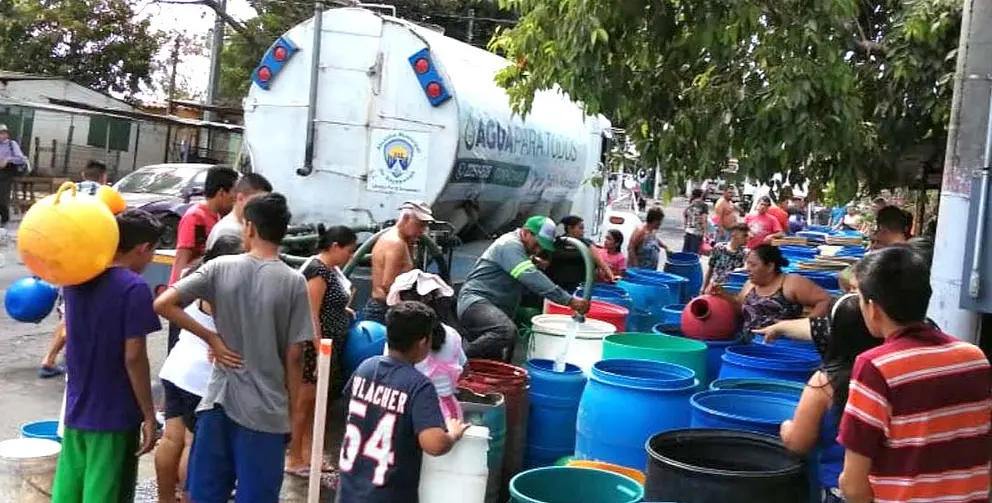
pixel 95 43
pixel 836 90
pixel 243 51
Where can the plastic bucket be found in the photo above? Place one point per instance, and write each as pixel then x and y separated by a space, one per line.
pixel 746 410
pixel 598 310
pixel 686 265
pixel 789 388
pixel 708 466
pixel 462 471
pixel 490 411
pixel 488 376
pixel 658 347
pixel 547 340
pixel 27 469
pixel 631 400
pixel 47 430
pixel 610 467
pixel 569 484
pixel 554 406
pixel 765 361
pixel 714 350
pixel 671 314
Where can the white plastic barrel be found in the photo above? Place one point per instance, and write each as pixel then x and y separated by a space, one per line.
pixel 461 474
pixel 547 340
pixel 65 393
pixel 27 469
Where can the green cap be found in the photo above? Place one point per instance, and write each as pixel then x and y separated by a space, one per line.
pixel 543 228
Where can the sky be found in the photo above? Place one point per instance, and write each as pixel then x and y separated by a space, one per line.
pixel 191 20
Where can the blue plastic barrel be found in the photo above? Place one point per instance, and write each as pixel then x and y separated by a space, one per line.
pixel 672 314
pixel 768 361
pixel 737 277
pixel 732 289
pixel 609 293
pixel 554 405
pixel 648 296
pixel 677 284
pixel 790 388
pixel 799 252
pixel 826 280
pixel 714 349
pixel 805 347
pixel 627 401
pixel 686 265
pixel 746 410
pixel 365 340
pixel 572 484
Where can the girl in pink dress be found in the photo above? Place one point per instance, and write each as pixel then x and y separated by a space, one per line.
pixel 610 252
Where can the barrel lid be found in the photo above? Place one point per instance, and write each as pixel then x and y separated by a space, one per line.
pixel 560 324
pixel 27 448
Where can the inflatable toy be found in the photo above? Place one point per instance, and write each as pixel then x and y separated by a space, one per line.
pixel 67 238
pixel 30 300
pixel 113 199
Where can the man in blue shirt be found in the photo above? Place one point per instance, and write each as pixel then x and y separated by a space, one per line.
pixel 12 162
pixel 393 415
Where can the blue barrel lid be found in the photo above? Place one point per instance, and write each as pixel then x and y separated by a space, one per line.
pixel 644 374
pixel 773 357
pixel 774 407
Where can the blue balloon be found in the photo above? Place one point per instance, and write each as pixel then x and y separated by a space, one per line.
pixel 30 300
pixel 365 340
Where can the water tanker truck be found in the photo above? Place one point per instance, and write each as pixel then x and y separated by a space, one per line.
pixel 353 112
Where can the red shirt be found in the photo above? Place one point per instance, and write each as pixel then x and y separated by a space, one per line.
pixel 193 230
pixel 761 226
pixel 919 407
pixel 781 215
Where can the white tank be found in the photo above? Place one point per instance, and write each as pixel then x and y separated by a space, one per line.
pixel 379 141
pixel 461 474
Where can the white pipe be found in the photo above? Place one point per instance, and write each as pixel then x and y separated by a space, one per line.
pixel 319 419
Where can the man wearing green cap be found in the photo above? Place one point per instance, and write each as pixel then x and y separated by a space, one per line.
pixel 491 293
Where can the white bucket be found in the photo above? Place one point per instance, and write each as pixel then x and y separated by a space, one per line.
pixel 548 333
pixel 27 469
pixel 461 474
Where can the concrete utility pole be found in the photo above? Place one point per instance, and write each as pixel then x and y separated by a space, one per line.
pixel 171 96
pixel 963 160
pixel 216 48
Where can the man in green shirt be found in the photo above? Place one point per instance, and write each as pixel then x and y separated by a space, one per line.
pixel 491 294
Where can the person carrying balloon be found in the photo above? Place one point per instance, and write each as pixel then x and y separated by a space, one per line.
pixel 261 311
pixel 94 179
pixel 109 412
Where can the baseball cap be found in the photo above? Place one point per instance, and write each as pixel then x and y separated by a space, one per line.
pixel 543 228
pixel 420 209
pixel 3 128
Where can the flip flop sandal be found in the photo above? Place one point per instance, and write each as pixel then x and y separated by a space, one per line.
pixel 301 472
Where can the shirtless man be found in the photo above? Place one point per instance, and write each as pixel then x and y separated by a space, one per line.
pixel 392 255
pixel 726 215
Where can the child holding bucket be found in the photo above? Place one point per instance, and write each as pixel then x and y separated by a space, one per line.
pixel 393 415
pixel 109 416
pixel 839 338
pixel 446 359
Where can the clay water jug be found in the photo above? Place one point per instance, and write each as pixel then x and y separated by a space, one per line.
pixel 709 317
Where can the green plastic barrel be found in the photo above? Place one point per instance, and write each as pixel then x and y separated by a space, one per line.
pixel 658 347
pixel 568 484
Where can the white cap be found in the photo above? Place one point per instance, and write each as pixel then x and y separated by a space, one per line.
pixel 419 209
pixel 425 284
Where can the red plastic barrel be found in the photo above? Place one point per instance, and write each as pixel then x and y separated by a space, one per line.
pixel 598 310
pixel 489 376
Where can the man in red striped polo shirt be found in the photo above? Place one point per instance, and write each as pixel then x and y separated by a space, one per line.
pixel 916 425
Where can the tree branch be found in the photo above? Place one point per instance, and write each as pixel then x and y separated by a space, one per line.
pixel 236 25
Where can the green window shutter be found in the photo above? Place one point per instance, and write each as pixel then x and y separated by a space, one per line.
pixel 120 135
pixel 97 136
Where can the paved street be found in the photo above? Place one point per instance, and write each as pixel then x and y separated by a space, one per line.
pixel 24 397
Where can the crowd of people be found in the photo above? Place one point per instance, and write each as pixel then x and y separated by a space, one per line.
pixel 898 412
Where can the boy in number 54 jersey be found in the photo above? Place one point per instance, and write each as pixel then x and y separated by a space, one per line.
pixel 393 415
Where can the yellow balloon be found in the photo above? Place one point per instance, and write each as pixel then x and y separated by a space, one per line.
pixel 113 199
pixel 68 238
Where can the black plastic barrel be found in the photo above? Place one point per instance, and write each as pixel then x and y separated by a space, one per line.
pixel 723 466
